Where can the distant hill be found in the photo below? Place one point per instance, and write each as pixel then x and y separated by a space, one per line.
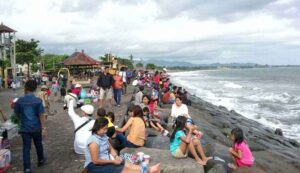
pixel 170 63
pixel 162 63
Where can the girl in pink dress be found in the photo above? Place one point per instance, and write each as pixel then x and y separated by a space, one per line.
pixel 240 151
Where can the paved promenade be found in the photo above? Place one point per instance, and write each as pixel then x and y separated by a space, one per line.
pixel 58 144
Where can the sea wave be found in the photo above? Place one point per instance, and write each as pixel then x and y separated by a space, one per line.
pixel 262 103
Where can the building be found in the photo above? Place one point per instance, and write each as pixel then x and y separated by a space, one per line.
pixel 8 51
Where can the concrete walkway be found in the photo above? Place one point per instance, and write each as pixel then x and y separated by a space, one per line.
pixel 58 145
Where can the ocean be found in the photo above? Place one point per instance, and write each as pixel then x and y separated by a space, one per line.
pixel 270 96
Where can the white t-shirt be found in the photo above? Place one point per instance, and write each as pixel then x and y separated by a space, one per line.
pixel 123 74
pixel 83 134
pixel 138 98
pixel 179 111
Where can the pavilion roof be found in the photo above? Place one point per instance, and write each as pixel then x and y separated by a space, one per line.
pixel 4 28
pixel 80 58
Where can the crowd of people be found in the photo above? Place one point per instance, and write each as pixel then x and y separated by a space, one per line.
pixel 100 139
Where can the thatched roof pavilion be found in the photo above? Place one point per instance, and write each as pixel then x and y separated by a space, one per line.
pixel 80 59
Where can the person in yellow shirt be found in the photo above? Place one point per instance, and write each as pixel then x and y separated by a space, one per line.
pixel 101 112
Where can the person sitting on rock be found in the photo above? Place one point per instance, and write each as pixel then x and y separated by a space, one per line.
pixel 137 134
pixel 139 96
pixel 101 157
pixel 166 98
pixel 153 122
pixel 180 109
pixel 181 143
pixel 101 112
pixel 82 125
pixel 240 151
pixel 145 101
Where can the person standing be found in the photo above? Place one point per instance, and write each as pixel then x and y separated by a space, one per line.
pixel 118 84
pixel 105 82
pixel 31 111
pixel 124 78
pixel 1 81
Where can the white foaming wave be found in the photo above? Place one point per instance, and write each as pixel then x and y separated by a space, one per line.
pixel 228 84
pixel 272 97
pixel 251 108
pixel 187 74
pixel 233 85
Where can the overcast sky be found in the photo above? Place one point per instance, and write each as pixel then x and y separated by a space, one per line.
pixel 199 31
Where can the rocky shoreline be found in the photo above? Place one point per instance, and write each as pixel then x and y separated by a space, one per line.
pixel 273 153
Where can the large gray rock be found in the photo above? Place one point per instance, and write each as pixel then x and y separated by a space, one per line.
pixel 158 142
pixel 217 168
pixel 248 170
pixel 168 163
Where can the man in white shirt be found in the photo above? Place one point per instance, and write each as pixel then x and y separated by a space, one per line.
pixel 84 122
pixel 70 96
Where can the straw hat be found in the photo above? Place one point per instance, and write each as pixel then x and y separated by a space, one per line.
pixel 164 69
pixel 88 109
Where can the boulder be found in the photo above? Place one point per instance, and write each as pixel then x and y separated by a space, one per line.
pixel 220 151
pixel 158 142
pixel 217 168
pixel 278 132
pixel 168 163
pixel 248 170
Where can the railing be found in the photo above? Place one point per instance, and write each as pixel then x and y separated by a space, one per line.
pixel 5 41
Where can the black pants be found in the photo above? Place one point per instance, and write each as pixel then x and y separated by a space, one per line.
pixel 37 140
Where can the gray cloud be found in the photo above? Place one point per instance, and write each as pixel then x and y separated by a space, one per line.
pixel 199 31
pixel 206 9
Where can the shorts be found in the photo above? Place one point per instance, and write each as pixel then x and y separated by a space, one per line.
pixel 108 168
pixel 178 154
pixel 105 93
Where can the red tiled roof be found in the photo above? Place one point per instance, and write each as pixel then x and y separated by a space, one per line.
pixel 4 28
pixel 80 58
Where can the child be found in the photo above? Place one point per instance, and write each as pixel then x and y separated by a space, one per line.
pixel 111 116
pixel 154 109
pixel 101 112
pixel 153 122
pixel 181 142
pixel 63 92
pixel 43 95
pixel 111 128
pixel 240 151
pixel 55 88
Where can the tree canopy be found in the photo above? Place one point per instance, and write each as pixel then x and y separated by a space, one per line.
pixel 150 66
pixel 139 64
pixel 52 61
pixel 124 61
pixel 27 52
